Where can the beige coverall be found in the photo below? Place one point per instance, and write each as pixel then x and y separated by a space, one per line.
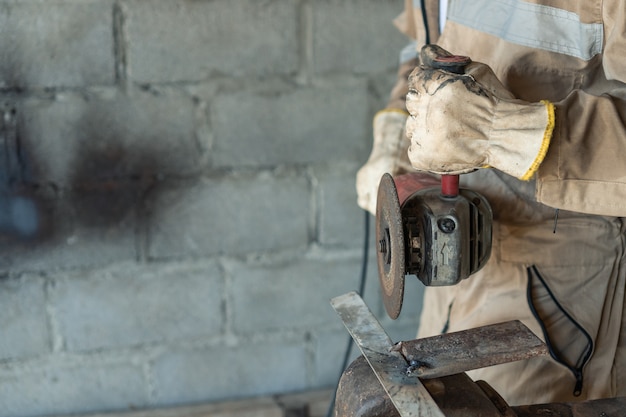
pixel 571 272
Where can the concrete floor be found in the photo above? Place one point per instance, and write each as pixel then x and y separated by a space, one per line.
pixel 305 404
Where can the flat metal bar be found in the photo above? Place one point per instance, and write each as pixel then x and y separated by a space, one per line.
pixel 407 394
pixel 457 352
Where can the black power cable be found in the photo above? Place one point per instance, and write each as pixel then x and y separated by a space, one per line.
pixel 425 22
pixel 346 356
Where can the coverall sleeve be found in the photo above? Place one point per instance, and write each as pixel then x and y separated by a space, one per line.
pixel 585 168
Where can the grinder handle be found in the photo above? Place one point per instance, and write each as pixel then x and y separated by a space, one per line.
pixel 439 58
pixel 450 185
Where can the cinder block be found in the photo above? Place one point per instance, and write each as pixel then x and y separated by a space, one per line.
pixel 341 220
pixel 249 369
pixel 88 227
pixel 127 305
pixel 298 292
pixel 59 389
pixel 194 40
pixel 23 320
pixel 330 348
pixel 56 43
pixel 356 36
pixel 231 215
pixel 75 140
pixel 318 124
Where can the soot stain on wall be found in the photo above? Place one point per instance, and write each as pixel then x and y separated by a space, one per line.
pixel 109 178
pixel 112 172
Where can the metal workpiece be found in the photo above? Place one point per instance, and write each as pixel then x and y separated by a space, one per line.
pixel 408 395
pixel 426 377
pixel 360 394
pixel 462 351
pixel 401 368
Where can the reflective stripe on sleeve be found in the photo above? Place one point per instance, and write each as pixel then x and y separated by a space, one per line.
pixel 532 25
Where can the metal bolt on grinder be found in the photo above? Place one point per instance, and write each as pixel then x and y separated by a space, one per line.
pixel 442 236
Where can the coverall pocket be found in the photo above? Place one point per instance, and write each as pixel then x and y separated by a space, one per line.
pixel 568 342
pixel 573 288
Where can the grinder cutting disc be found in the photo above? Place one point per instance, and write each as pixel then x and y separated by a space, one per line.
pixel 390 241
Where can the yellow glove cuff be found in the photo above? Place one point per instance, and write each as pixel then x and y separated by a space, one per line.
pixel 391 110
pixel 545 144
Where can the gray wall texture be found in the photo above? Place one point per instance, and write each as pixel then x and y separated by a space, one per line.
pixel 177 201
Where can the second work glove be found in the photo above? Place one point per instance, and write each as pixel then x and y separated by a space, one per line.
pixel 461 122
pixel 389 155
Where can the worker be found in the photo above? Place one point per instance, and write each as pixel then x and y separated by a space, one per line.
pixel 536 124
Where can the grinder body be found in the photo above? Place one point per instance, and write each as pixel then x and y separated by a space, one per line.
pixel 448 237
pixel 441 239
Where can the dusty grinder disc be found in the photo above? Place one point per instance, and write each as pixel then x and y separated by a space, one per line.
pixel 390 246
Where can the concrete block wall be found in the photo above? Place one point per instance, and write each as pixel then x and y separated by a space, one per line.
pixel 177 200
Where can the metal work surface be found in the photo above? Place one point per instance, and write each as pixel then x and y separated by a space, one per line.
pixel 462 351
pixel 408 395
pixel 446 391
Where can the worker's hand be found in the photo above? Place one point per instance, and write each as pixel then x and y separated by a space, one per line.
pixel 459 123
pixel 389 155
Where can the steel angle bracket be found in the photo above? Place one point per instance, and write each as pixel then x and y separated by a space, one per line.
pixel 480 347
pixel 407 394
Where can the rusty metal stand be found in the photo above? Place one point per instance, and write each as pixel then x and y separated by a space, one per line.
pixel 379 383
pixel 361 395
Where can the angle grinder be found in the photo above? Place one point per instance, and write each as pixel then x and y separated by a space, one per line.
pixel 442 235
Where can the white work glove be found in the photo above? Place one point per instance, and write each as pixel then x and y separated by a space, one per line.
pixel 459 123
pixel 389 155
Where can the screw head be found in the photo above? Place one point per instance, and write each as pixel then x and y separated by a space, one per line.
pixel 446 225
